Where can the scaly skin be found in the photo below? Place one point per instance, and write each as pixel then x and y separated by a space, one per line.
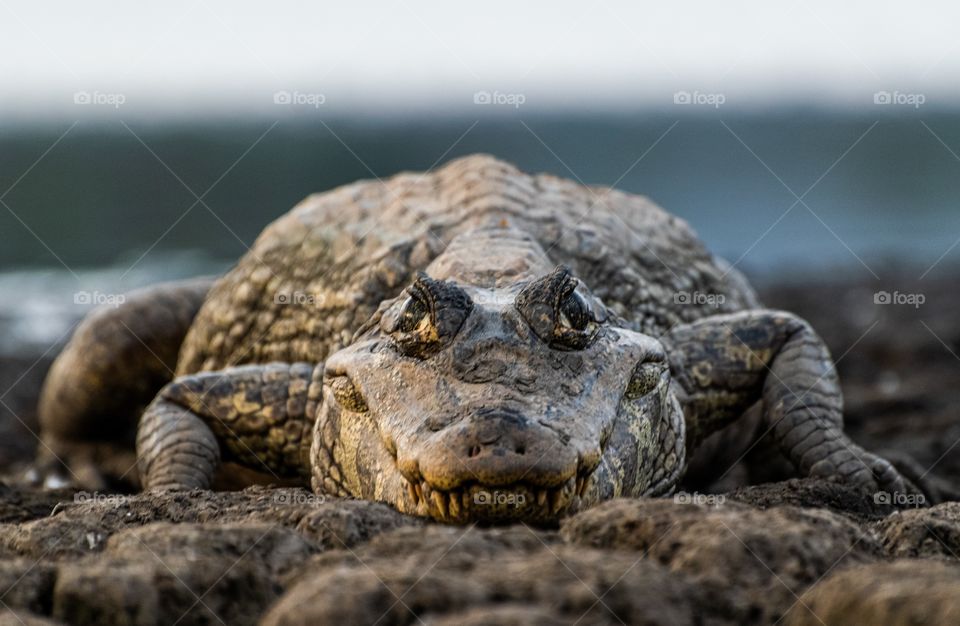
pixel 480 344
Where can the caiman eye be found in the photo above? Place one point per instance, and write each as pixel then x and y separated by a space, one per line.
pixel 557 313
pixel 414 316
pixel 429 318
pixel 573 313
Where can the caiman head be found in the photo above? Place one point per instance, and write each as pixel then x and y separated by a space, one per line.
pixel 523 402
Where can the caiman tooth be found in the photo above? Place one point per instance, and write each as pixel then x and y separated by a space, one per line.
pixel 556 500
pixel 440 502
pixel 454 504
pixel 541 497
pixel 419 489
pixel 413 493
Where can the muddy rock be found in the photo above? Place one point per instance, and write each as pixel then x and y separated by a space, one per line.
pixel 25 618
pixel 810 492
pixel 511 614
pixel 902 593
pixel 18 505
pixel 184 573
pixel 513 576
pixel 85 522
pixel 350 523
pixel 160 558
pixel 176 589
pixel 274 548
pixel 932 532
pixel 107 591
pixel 751 563
pixel 26 585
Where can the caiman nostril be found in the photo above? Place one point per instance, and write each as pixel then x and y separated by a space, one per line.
pixel 410 468
pixel 520 449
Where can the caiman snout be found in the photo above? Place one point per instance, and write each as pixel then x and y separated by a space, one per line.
pixel 496 450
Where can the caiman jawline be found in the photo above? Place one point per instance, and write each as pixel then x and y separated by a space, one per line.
pixel 473 499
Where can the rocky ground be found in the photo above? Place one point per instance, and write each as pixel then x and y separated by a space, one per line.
pixel 791 552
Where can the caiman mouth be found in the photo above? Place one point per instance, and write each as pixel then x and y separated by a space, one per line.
pixel 477 502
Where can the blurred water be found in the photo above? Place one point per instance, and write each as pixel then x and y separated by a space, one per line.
pixel 101 194
pixel 39 306
pixel 114 204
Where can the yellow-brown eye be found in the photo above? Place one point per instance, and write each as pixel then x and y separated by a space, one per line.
pixel 573 313
pixel 414 315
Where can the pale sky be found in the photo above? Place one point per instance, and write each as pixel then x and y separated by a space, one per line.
pixel 431 54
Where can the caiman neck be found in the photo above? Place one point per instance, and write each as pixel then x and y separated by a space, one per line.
pixel 492 256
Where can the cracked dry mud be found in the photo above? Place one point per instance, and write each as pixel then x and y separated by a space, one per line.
pixel 783 551
pixel 280 556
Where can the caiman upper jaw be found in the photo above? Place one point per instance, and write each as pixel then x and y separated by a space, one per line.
pixel 496 450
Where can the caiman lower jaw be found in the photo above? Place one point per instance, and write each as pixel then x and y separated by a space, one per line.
pixel 476 502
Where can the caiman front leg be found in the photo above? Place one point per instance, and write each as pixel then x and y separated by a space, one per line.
pixel 260 416
pixel 726 363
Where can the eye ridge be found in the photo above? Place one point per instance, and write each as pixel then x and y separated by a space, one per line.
pixel 556 312
pixel 433 314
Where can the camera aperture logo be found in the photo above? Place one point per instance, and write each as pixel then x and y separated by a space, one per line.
pixel 499 98
pixel 97 298
pixel 296 98
pixel 715 100
pixel 916 300
pixel 696 298
pixel 499 498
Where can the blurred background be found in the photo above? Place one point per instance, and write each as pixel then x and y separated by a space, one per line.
pixel 147 142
